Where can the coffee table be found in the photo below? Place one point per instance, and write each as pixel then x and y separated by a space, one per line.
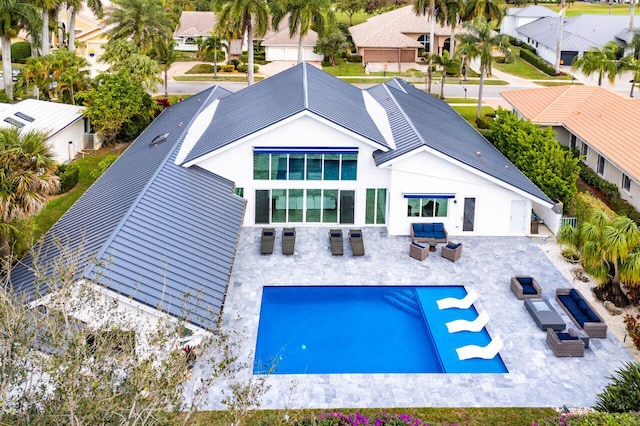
pixel 544 315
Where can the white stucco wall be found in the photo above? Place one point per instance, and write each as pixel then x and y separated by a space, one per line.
pixel 62 149
pixel 290 53
pixel 426 173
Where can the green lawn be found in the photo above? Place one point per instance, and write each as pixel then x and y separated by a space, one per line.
pixel 344 68
pixel 58 205
pixel 580 8
pixel 469 113
pixel 221 77
pixel 523 69
pixel 358 18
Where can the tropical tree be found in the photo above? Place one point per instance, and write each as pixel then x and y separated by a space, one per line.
pixel 492 10
pixel 69 74
pixel 141 21
pixel 123 56
pixel 303 15
pixel 600 60
pixel 450 13
pixel 164 54
pixel 609 248
pixel 14 15
pixel 330 44
pixel 350 7
pixel 630 63
pixel 210 47
pixel 46 7
pixel 27 177
pixel 428 8
pixel 445 61
pixel 239 17
pixel 73 7
pixel 480 41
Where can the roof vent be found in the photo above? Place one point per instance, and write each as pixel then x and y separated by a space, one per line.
pixel 478 153
pixel 24 116
pixel 159 139
pixel 14 122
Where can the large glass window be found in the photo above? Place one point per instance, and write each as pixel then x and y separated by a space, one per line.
pixel 349 167
pixel 296 166
pixel 331 166
pixel 600 165
pixel 427 207
pixel 279 166
pixel 314 166
pixel 296 205
pixel 299 205
pixel 376 205
pixel 626 183
pixel 330 206
pixel 302 166
pixel 314 205
pixel 261 166
pixel 278 205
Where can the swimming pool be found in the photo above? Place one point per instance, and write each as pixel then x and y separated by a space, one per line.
pixel 364 329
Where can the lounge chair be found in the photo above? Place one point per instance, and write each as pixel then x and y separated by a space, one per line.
pixel 565 343
pixel 452 251
pixel 357 243
pixel 452 302
pixel 483 352
pixel 288 240
pixel 335 238
pixel 464 325
pixel 267 240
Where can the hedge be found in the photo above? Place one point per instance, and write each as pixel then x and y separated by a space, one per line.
pixel 20 51
pixel 354 58
pixel 537 62
pixel 68 174
pixel 245 68
pixel 227 68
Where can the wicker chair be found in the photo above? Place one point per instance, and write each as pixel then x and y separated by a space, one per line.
pixel 452 251
pixel 418 251
pixel 565 344
pixel 336 241
pixel 525 287
pixel 267 239
pixel 288 240
pixel 357 242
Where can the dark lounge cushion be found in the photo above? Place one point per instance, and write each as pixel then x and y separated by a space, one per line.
pixel 289 234
pixel 267 233
pixel 418 245
pixel 583 306
pixel 417 227
pixel 356 235
pixel 566 336
pixel 452 246
pixel 592 316
pixel 438 227
pixel 581 319
pixel 528 289
pixel 574 295
pixel 525 280
pixel 439 235
pixel 427 227
pixel 336 234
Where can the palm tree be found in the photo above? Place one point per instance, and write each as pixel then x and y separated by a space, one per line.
pixel 27 177
pixel 492 10
pixel 73 7
pixel 630 63
pixel 46 8
pixel 211 46
pixel 479 41
pixel 599 60
pixel 450 14
pixel 241 16
pixel 303 15
pixel 428 8
pixel 445 61
pixel 123 56
pixel 141 21
pixel 165 55
pixel 14 15
pixel 610 252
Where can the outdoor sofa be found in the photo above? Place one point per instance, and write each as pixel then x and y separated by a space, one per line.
pixel 430 233
pixel 525 287
pixel 565 343
pixel 581 312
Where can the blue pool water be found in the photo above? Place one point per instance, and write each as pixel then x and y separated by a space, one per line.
pixel 364 329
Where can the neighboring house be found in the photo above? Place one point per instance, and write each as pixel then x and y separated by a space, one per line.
pixel 196 25
pixel 281 47
pixel 599 123
pixel 300 148
pixel 397 36
pixel 68 130
pixel 91 36
pixel 579 34
pixel 518 16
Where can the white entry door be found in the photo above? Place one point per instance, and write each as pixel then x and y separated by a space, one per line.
pixel 517 222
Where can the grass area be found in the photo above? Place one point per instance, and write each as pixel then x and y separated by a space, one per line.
pixel 435 416
pixel 363 80
pixel 186 56
pixel 470 112
pixel 358 18
pixel 523 69
pixel 221 77
pixel 345 68
pixel 59 204
pixel 580 8
pixel 461 101
pixel 556 83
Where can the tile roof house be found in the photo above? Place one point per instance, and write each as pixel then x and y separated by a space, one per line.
pixel 396 36
pixel 194 25
pixel 580 33
pixel 68 130
pixel 303 149
pixel 602 124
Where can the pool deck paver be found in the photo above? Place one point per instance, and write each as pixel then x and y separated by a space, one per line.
pixel 536 378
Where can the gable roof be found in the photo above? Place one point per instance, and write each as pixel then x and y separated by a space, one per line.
pixel 165 233
pixel 389 29
pixel 608 122
pixel 534 11
pixel 579 33
pixel 298 89
pixel 195 24
pixel 31 114
pixel 419 120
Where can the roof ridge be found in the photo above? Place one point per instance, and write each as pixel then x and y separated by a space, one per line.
pixel 100 253
pixel 305 85
pixel 563 90
pixel 404 114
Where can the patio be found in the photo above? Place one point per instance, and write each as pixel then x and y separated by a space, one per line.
pixel 536 378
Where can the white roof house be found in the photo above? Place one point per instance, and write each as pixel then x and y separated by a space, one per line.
pixel 519 16
pixel 67 129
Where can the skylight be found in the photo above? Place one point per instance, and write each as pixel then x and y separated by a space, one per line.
pixel 14 122
pixel 159 139
pixel 24 116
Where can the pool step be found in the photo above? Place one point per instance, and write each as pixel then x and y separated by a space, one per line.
pixel 406 301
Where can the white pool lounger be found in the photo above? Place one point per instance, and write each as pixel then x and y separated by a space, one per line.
pixel 465 325
pixel 483 352
pixel 452 302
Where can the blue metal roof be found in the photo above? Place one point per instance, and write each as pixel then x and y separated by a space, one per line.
pixel 166 234
pixel 419 119
pixel 302 87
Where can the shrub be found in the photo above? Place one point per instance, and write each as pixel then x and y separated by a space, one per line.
pixel 69 175
pixel 20 51
pixel 594 419
pixel 484 122
pixel 585 204
pixel 354 58
pixel 244 58
pixel 537 62
pixel 633 328
pixel 454 68
pixel 245 68
pixel 357 418
pixel 235 63
pixel 201 69
pixel 103 165
pixel 623 393
pixel 227 68
pixel 609 190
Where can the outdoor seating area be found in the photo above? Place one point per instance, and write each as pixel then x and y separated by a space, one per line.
pixel 565 344
pixel 431 233
pixel 581 312
pixel 525 287
pixel 452 251
pixel 418 251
